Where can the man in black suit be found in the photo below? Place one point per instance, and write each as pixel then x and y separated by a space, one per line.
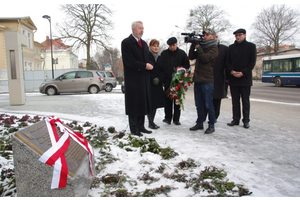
pixel 241 59
pixel 135 55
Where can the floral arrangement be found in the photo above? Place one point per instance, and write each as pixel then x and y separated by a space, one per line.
pixel 179 85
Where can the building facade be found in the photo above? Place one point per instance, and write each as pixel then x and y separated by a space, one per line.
pixel 25 27
pixel 63 57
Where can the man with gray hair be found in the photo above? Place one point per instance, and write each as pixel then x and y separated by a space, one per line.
pixel 135 55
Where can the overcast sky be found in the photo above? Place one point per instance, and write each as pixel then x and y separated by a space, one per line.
pixel 159 17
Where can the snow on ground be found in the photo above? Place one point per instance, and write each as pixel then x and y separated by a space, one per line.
pixel 260 158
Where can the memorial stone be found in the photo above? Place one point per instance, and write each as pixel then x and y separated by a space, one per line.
pixel 33 178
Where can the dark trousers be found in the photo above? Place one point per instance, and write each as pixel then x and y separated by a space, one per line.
pixel 136 123
pixel 151 116
pixel 170 103
pixel 237 93
pixel 217 106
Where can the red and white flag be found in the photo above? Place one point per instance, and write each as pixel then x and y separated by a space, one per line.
pixel 55 155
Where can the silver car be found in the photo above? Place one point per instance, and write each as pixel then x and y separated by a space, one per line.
pixel 75 81
pixel 109 79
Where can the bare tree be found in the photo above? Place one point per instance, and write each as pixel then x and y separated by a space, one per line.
pixel 208 16
pixel 85 25
pixel 109 56
pixel 275 25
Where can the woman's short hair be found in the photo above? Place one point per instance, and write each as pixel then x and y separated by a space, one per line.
pixel 154 42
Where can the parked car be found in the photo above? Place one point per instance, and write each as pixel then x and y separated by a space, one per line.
pixel 123 87
pixel 75 81
pixel 109 80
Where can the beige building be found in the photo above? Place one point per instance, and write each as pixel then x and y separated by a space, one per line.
pixel 35 57
pixel 31 53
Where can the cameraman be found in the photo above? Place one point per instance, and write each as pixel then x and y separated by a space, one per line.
pixel 205 53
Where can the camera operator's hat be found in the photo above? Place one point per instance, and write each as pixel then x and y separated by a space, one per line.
pixel 241 30
pixel 209 31
pixel 172 40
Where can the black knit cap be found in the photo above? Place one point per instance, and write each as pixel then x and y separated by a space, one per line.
pixel 241 30
pixel 172 40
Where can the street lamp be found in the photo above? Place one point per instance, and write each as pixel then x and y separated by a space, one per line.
pixel 49 19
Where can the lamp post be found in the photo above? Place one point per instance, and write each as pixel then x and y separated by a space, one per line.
pixel 49 19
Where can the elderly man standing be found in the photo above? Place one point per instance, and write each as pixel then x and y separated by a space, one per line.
pixel 241 59
pixel 173 57
pixel 135 55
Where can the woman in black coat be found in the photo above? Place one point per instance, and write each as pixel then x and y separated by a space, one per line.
pixel 156 78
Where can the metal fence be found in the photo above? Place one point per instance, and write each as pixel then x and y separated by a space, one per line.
pixel 33 79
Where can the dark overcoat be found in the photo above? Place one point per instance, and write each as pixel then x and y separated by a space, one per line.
pixel 136 77
pixel 157 93
pixel 241 57
pixel 172 60
pixel 220 72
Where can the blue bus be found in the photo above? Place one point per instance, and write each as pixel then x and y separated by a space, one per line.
pixel 281 69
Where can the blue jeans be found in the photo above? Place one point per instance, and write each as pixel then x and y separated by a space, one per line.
pixel 203 94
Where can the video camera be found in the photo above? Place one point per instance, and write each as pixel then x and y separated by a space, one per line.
pixel 193 37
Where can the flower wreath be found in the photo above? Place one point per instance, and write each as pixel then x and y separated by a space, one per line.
pixel 179 84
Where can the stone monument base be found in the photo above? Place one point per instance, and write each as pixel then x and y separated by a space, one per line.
pixel 33 178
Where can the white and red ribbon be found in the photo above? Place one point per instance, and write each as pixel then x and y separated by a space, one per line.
pixel 55 155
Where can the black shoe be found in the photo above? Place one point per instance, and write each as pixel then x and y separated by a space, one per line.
pixel 209 130
pixel 167 121
pixel 153 126
pixel 156 125
pixel 197 127
pixel 145 131
pixel 137 133
pixel 246 125
pixel 177 123
pixel 232 123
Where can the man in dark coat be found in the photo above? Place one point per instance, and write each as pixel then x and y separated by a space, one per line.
pixel 241 60
pixel 219 77
pixel 135 55
pixel 173 58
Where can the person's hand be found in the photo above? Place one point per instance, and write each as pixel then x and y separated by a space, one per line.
pixel 237 74
pixel 149 66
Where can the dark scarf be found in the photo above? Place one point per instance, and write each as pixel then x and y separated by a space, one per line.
pixel 205 44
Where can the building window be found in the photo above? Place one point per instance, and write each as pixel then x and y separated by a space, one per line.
pixel 37 66
pixel 25 65
pixel 37 50
pixel 29 40
pixel 30 66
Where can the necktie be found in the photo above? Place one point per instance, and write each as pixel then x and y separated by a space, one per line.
pixel 140 43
